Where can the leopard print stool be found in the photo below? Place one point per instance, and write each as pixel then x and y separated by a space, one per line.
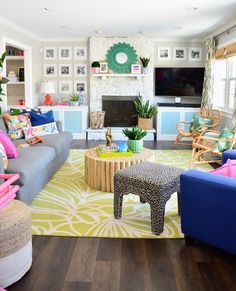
pixel 154 183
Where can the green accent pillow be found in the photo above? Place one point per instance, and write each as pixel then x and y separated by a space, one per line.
pixel 221 146
pixel 199 121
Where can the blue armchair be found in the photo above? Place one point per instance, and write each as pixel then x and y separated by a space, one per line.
pixel 208 207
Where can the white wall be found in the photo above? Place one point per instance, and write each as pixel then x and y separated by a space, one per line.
pixel 57 96
pixel 11 33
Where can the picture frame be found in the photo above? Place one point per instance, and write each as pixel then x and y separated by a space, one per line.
pixel 65 87
pixel 65 53
pixel 103 68
pixel 179 53
pixel 50 53
pixel 195 54
pixel 80 87
pixel 65 70
pixel 21 74
pixel 164 53
pixel 50 70
pixel 80 53
pixel 80 70
pixel 135 69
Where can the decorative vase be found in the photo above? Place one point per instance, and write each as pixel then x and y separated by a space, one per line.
pixel 95 70
pixel 145 70
pixel 135 146
pixel 145 123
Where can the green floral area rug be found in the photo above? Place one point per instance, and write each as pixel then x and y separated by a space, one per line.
pixel 68 207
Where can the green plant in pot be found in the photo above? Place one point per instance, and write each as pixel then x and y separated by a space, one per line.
pixel 145 62
pixel 74 100
pixel 95 67
pixel 135 138
pixel 146 112
pixel 3 80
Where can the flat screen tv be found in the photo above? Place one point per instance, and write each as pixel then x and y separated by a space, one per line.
pixel 179 81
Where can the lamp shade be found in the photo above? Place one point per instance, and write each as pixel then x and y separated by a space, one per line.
pixel 47 87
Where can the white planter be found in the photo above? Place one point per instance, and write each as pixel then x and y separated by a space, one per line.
pixel 145 70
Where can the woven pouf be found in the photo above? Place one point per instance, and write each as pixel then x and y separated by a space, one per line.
pixel 15 242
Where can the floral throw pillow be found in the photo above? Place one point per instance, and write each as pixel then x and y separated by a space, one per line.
pixel 41 130
pixel 3 155
pixel 15 125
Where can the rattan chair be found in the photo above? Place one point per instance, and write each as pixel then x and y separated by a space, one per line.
pixel 213 114
pixel 203 147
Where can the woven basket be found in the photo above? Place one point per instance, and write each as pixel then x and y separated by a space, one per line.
pixel 145 123
pixel 97 119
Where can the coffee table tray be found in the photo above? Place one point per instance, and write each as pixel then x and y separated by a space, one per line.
pixel 114 154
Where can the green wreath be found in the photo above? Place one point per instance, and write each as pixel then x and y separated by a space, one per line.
pixel 129 57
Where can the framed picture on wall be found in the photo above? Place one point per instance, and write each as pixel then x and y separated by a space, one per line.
pixel 179 53
pixel 65 53
pixel 195 53
pixel 80 87
pixel 80 53
pixel 50 53
pixel 164 53
pixel 65 87
pixel 50 70
pixel 103 67
pixel 65 70
pixel 80 70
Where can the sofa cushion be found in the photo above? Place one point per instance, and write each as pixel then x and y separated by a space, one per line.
pixel 40 130
pixel 9 146
pixel 31 160
pixel 15 125
pixel 43 118
pixel 56 141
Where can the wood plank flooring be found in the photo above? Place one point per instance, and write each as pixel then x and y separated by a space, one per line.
pixel 94 264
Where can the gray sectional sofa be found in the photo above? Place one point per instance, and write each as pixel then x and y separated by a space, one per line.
pixel 37 164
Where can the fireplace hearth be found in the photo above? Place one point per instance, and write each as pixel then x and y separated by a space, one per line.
pixel 119 111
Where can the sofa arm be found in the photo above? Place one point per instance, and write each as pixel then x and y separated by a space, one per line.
pixel 208 207
pixel 59 125
pixel 229 154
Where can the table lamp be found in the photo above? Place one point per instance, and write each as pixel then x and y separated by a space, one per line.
pixel 47 87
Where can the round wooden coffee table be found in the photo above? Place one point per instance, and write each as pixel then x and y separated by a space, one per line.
pixel 99 172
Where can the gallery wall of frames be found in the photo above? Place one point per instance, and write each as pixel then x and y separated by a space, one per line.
pixel 66 67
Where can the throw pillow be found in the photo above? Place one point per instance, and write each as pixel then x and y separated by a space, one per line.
pixel 17 111
pixel 39 119
pixel 15 125
pixel 3 155
pixel 199 121
pixel 9 146
pixel 223 145
pixel 41 130
pixel 228 169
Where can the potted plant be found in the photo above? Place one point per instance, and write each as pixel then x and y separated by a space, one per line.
pixel 145 113
pixel 135 138
pixel 3 80
pixel 145 62
pixel 95 67
pixel 74 100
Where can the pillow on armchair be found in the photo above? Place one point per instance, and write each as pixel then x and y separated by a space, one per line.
pixel 228 169
pixel 223 145
pixel 199 121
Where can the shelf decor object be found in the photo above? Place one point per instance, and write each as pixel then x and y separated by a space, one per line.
pixel 120 57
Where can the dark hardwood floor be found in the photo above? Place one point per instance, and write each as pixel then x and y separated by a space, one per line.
pixel 81 264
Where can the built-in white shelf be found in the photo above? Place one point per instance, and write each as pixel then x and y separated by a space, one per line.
pixel 16 58
pixel 15 83
pixel 105 76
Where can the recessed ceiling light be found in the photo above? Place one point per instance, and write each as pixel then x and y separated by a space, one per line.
pixel 98 31
pixel 177 27
pixel 63 27
pixel 47 10
pixel 191 8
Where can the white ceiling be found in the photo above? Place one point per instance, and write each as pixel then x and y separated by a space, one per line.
pixel 155 18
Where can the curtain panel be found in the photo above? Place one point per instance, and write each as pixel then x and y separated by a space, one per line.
pixel 207 93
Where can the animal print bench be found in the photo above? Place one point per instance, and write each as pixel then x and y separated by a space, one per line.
pixel 154 183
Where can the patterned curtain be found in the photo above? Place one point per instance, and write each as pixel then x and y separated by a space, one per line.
pixel 207 94
pixel 234 112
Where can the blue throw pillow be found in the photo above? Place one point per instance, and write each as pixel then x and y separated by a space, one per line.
pixel 39 119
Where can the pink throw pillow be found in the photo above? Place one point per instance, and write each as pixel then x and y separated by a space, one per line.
pixel 228 169
pixel 9 146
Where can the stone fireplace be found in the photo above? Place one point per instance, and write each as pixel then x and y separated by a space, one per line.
pixel 119 111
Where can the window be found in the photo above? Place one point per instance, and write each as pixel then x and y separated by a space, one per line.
pixel 225 84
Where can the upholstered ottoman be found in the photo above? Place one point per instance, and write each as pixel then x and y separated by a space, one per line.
pixel 154 183
pixel 15 242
